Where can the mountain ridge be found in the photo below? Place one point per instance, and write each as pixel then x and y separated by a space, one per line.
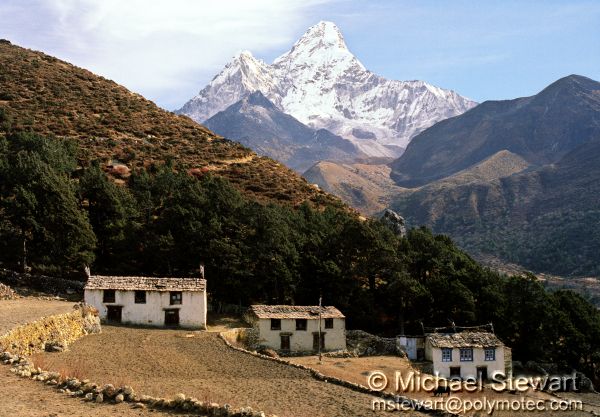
pixel 323 85
pixel 115 126
pixel 257 123
pixel 537 203
pixel 539 128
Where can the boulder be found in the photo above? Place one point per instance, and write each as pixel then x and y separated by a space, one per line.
pixel 584 384
pixel 394 222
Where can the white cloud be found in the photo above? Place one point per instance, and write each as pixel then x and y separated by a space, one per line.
pixel 164 49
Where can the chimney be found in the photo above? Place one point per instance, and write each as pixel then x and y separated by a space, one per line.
pixel 201 270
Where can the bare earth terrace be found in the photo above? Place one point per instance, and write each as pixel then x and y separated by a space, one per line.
pixel 162 362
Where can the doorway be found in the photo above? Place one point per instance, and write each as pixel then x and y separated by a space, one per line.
pixel 482 373
pixel 172 318
pixel 114 314
pixel 316 341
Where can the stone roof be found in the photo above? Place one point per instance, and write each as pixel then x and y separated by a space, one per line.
pixel 99 282
pixel 464 340
pixel 295 312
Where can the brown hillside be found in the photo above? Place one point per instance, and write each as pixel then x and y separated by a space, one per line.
pixel 116 126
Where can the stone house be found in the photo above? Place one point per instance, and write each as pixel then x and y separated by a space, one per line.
pixel 467 354
pixel 289 329
pixel 170 302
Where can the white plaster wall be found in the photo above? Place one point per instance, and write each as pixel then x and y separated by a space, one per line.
pixel 192 310
pixel 467 369
pixel 302 340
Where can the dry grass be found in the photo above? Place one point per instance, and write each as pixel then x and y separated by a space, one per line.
pixel 123 130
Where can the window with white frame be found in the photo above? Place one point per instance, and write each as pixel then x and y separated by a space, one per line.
pixel 466 355
pixel 446 354
pixel 490 354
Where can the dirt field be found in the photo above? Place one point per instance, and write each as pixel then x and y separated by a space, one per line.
pixel 162 362
pixel 357 370
pixel 26 398
pixel 23 310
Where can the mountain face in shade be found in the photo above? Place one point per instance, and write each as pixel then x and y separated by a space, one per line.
pixel 323 85
pixel 541 129
pixel 258 124
pixel 530 192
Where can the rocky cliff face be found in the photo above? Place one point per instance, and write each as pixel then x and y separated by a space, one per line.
pixel 322 84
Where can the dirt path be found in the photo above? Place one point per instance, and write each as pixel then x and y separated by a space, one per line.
pixel 162 362
pixel 26 398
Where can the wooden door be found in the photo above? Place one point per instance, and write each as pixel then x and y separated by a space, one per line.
pixel 172 318
pixel 114 314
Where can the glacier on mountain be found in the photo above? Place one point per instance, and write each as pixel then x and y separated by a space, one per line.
pixel 323 85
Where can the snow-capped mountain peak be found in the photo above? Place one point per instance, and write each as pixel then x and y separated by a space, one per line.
pixel 322 84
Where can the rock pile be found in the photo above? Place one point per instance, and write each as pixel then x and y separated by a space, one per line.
pixel 7 293
pixel 361 343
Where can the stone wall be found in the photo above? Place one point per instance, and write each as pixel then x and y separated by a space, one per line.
pixel 226 336
pixel 53 332
pixel 246 337
pixel 7 293
pixel 63 329
pixel 50 285
pixel 361 343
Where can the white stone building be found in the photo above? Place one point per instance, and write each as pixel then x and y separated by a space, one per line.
pixel 466 354
pixel 176 302
pixel 296 328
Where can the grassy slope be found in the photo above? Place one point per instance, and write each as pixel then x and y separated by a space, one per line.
pixel 112 124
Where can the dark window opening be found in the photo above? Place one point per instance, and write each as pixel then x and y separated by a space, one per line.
pixel 275 324
pixel 108 296
pixel 454 372
pixel 140 297
pixel 175 298
pixel 329 323
pixel 300 324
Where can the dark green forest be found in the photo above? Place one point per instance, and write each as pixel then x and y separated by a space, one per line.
pixel 56 217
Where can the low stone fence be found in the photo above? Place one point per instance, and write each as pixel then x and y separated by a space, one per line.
pixel 53 332
pixel 7 293
pixel 57 332
pixel 226 336
pixel 246 337
pixel 51 285
pixel 361 343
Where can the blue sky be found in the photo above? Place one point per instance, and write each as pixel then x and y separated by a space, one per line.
pixel 168 50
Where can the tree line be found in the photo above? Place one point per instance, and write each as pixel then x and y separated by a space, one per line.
pixel 56 217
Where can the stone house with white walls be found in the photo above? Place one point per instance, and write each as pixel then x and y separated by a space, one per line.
pixel 466 354
pixel 148 301
pixel 290 329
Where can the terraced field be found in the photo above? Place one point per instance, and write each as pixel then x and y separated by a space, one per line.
pixel 26 398
pixel 162 362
